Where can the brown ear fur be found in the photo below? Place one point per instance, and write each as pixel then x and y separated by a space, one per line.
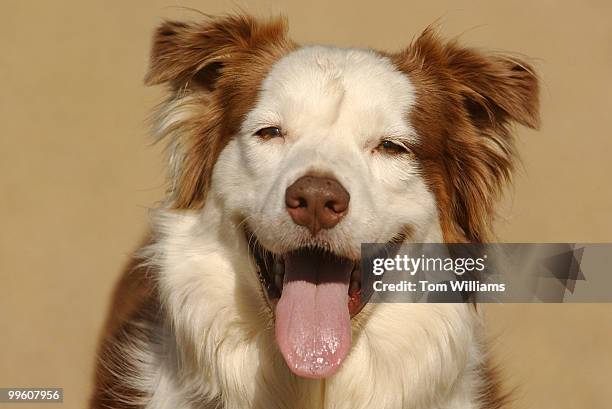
pixel 183 52
pixel 214 69
pixel 466 102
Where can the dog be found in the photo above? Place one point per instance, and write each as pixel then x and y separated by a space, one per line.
pixel 284 159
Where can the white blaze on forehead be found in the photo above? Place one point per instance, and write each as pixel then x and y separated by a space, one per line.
pixel 316 88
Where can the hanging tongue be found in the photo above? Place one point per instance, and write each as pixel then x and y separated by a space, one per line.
pixel 313 328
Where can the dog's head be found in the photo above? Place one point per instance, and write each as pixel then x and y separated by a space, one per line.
pixel 315 150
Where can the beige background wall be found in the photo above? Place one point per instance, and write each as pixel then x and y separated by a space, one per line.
pixel 77 174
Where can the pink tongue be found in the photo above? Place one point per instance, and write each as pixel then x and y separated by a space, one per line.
pixel 313 328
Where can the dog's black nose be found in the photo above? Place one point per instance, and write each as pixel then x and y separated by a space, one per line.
pixel 316 202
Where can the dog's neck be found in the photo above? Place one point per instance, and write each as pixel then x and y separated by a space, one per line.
pixel 226 332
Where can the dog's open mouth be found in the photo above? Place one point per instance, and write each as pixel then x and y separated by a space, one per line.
pixel 314 294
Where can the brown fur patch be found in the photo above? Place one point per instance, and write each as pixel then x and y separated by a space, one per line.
pixel 215 68
pixel 466 101
pixel 133 326
pixel 492 395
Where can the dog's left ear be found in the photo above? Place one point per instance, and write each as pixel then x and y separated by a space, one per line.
pixel 496 89
pixel 467 102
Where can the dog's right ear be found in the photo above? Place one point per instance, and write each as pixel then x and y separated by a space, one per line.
pixel 213 69
pixel 193 55
pixel 181 54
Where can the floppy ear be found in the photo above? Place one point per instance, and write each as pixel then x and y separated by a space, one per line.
pixel 183 52
pixel 213 69
pixel 192 55
pixel 496 89
pixel 469 99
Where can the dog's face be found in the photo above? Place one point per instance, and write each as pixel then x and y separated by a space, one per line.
pixel 330 131
pixel 313 151
pixel 322 162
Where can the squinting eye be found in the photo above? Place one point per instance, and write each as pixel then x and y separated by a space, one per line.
pixel 269 132
pixel 392 148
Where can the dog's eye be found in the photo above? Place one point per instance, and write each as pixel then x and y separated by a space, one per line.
pixel 392 148
pixel 269 132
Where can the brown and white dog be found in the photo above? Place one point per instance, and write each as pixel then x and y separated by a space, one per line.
pixel 283 160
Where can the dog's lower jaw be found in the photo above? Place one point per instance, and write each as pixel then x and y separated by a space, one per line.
pixel 403 355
